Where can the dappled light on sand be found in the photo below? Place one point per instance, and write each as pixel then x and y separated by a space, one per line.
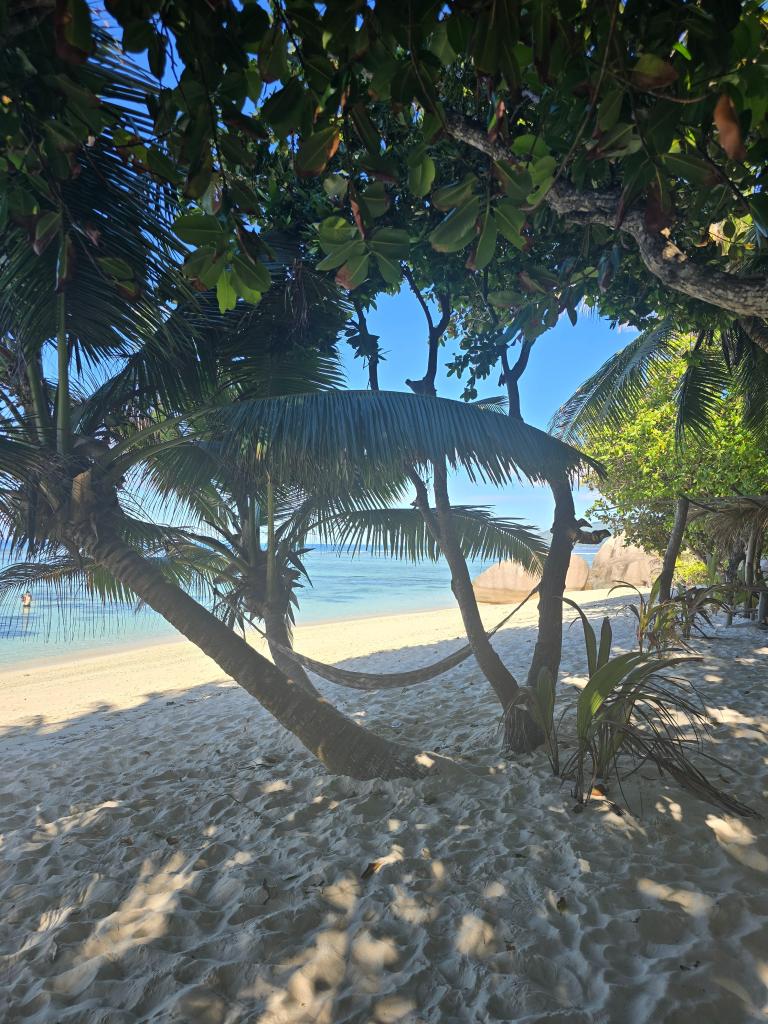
pixel 170 854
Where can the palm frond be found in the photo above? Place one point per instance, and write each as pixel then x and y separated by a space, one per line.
pixel 613 391
pixel 402 533
pixel 314 437
pixel 700 393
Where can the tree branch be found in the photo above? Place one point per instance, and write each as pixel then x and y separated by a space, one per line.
pixel 511 376
pixel 426 386
pixel 744 296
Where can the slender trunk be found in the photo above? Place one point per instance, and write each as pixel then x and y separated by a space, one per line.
pixel 39 407
pixel 673 549
pixel 498 675
pixel 63 409
pixel 344 747
pixel 277 633
pixel 549 641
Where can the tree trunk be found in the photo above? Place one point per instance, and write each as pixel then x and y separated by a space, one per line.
pixel 673 549
pixel 548 649
pixel 344 747
pixel 498 675
pixel 277 633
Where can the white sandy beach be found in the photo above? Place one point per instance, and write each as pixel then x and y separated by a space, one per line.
pixel 169 853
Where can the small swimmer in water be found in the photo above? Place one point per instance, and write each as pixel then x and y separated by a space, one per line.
pixel 26 601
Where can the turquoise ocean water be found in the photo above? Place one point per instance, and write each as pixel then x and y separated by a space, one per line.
pixel 343 588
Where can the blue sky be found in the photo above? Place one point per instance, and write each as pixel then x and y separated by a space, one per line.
pixel 560 361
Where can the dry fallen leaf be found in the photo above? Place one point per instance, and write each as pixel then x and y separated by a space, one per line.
pixel 562 904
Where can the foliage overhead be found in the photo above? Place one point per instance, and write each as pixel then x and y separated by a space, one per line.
pixel 563 151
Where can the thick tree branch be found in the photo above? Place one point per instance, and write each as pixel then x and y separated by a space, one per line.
pixel 426 385
pixel 744 296
pixel 512 374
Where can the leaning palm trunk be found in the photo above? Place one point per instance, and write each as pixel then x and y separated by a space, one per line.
pixel 673 549
pixel 279 641
pixel 344 747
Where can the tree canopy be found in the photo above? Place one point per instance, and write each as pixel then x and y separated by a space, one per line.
pixel 646 471
pixel 563 151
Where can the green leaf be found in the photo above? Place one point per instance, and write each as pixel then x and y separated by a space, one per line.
pixel 285 109
pixel 390 271
pixel 530 146
pixel 391 243
pixel 510 221
pixel 421 176
pixel 691 168
pixel 115 268
pixel 515 181
pixel 339 254
pixel 163 166
pixel 504 298
pixel 252 273
pixel 225 292
pixel 333 232
pixel 456 230
pixel 198 229
pixel 374 201
pixel 609 111
pixel 46 229
pixel 451 196
pixel 651 72
pixel 315 151
pixel 354 272
pixel 486 243
pixel 369 136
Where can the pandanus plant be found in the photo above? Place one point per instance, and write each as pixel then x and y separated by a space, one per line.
pixel 630 713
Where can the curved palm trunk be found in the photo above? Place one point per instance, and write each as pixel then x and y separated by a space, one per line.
pixel 673 549
pixel 344 747
pixel 549 641
pixel 278 636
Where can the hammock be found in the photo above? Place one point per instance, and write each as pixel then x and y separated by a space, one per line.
pixel 386 680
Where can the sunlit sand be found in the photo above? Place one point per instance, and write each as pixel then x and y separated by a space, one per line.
pixel 170 853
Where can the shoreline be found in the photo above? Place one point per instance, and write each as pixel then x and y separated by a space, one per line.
pixel 175 638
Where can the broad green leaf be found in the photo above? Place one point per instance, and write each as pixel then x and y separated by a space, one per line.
pixel 610 109
pixel 374 201
pixel 451 196
pixel 691 168
pixel 652 72
pixel 391 243
pixel 339 254
pixel 510 221
pixel 333 232
pixel 421 176
pixel 77 26
pixel 389 269
pixel 315 151
pixel 369 136
pixel 285 108
pixel 198 229
pixel 504 298
pixel 46 229
pixel 252 273
pixel 354 272
pixel 516 181
pixel 530 146
pixel 115 268
pixel 486 242
pixel 458 229
pixel 225 293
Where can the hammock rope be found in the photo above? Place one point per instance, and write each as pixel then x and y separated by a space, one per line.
pixel 386 680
